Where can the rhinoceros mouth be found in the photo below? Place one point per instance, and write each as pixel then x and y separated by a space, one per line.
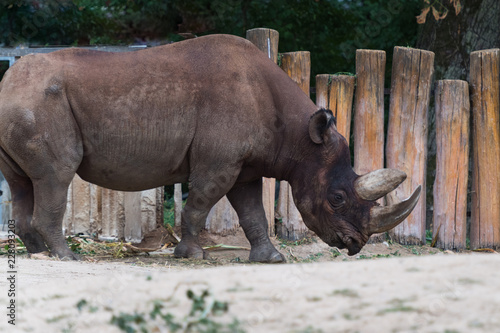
pixel 353 245
pixel 353 248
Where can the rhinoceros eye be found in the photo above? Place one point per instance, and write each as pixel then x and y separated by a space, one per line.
pixel 336 198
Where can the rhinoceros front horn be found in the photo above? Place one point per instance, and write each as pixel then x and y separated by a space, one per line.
pixel 377 184
pixel 385 218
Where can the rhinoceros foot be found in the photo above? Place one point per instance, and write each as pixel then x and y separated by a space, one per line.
pixel 34 244
pixel 189 249
pixel 64 254
pixel 266 254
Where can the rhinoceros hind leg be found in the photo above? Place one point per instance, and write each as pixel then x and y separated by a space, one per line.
pixel 247 201
pixel 22 206
pixel 50 205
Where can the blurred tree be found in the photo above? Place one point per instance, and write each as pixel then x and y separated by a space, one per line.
pixel 331 29
pixel 453 38
pixel 468 25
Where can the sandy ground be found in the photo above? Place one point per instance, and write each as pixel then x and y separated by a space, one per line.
pixel 432 293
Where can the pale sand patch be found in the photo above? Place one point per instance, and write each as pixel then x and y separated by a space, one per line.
pixel 436 293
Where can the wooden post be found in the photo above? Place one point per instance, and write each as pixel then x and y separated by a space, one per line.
pixel 222 218
pixel 82 208
pixel 267 41
pixel 149 216
pixel 369 115
pixel 484 77
pixel 335 92
pixel 112 215
pixel 291 226
pixel 452 164
pixel 132 215
pixel 177 204
pixel 369 111
pixel 160 199
pixel 412 72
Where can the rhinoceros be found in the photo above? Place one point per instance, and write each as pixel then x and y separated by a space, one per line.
pixel 212 111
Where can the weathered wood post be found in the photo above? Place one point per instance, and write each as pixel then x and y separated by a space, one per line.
pixel 369 111
pixel 111 215
pixel 82 208
pixel 160 198
pixel 484 77
pixel 335 92
pixel 369 115
pixel 267 41
pixel 177 204
pixel 291 226
pixel 132 231
pixel 452 163
pixel 412 73
pixel 222 218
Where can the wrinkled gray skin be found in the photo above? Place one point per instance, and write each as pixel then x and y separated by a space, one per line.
pixel 211 111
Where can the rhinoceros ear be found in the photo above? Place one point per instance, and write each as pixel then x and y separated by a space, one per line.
pixel 319 124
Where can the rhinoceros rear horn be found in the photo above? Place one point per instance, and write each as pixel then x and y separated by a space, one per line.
pixel 319 123
pixel 385 218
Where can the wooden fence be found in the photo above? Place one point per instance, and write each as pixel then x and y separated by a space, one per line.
pixel 361 98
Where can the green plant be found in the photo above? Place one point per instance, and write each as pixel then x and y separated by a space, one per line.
pixel 73 244
pixel 381 256
pixel 428 237
pixel 20 248
pixel 415 251
pixel 398 308
pixel 169 212
pixel 83 303
pixel 346 293
pixel 396 254
pixel 335 252
pixel 313 257
pixel 201 317
pixel 307 240
pixel 363 256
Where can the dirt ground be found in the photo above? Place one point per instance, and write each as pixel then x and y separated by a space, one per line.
pixel 385 288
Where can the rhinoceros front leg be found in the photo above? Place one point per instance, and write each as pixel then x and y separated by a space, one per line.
pixel 247 201
pixel 192 222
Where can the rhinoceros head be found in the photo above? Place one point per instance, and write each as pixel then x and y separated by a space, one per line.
pixel 337 204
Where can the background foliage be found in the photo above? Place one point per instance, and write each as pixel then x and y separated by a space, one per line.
pixel 331 29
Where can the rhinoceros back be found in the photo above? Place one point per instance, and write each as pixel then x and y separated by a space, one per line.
pixel 145 116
